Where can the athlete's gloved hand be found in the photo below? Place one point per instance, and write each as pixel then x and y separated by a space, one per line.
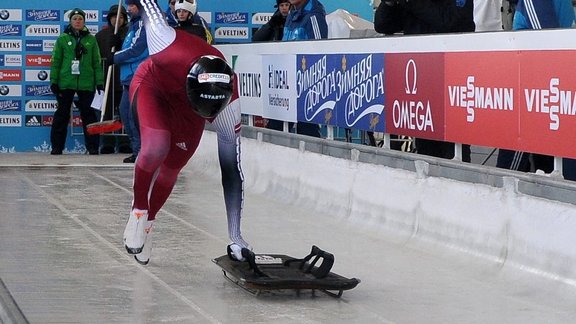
pixel 100 88
pixel 55 89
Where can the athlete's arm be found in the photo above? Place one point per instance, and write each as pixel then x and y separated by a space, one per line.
pixel 158 33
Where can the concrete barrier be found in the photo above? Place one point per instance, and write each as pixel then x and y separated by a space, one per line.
pixel 514 219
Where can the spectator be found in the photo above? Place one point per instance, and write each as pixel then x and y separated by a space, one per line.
pixel 306 20
pixel 183 84
pixel 190 21
pixel 273 30
pixel 536 14
pixel 104 38
pixel 134 51
pixel 427 17
pixel 170 13
pixel 76 69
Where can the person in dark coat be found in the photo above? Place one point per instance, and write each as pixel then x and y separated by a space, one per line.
pixel 273 30
pixel 106 40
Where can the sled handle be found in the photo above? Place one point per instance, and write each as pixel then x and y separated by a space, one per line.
pixel 320 272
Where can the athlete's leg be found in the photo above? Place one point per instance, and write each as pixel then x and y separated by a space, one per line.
pixel 181 150
pixel 156 136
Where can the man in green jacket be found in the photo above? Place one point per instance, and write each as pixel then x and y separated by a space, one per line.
pixel 76 69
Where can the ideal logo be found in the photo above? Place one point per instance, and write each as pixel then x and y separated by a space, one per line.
pixel 48 45
pixel 42 15
pixel 10 105
pixel 10 30
pixel 38 60
pixel 41 105
pixel 10 90
pixel 232 32
pixel 34 45
pixel 43 30
pixel 10 75
pixel 33 90
pixel 10 121
pixel 36 75
pixel 231 18
pixel 10 45
pixel 10 60
pixel 10 15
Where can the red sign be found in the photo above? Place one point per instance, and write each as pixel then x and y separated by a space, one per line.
pixel 10 75
pixel 76 121
pixel 482 98
pixel 47 120
pixel 414 103
pixel 548 102
pixel 38 60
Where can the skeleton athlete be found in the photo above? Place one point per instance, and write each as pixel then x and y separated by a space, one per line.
pixel 184 83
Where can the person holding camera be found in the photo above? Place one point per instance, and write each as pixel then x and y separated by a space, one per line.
pixel 76 69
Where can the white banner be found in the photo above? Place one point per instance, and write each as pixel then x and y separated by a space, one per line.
pixel 278 76
pixel 248 69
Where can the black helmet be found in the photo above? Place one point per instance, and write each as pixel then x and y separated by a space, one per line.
pixel 209 85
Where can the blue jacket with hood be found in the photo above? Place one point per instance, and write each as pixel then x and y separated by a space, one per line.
pixel 308 22
pixel 134 50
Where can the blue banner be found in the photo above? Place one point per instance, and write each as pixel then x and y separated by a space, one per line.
pixel 360 96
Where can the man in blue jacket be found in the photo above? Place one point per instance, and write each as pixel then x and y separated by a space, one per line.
pixel 134 51
pixel 307 20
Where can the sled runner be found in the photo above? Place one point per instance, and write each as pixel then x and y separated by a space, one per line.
pixel 264 272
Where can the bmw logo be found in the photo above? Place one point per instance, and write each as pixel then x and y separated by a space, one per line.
pixel 4 14
pixel 4 90
pixel 42 75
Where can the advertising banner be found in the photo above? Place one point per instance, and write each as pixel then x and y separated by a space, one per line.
pixel 278 92
pixel 316 88
pixel 482 101
pixel 415 94
pixel 548 102
pixel 248 70
pixel 360 92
